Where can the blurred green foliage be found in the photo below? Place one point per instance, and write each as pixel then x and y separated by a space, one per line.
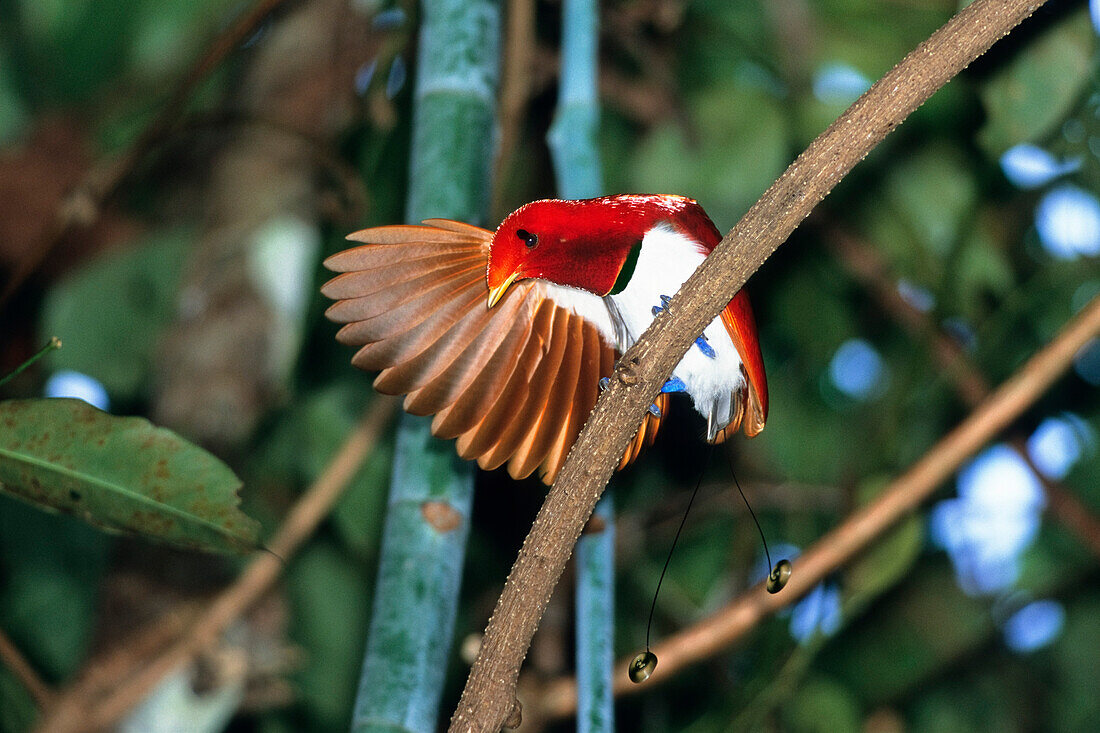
pixel 706 98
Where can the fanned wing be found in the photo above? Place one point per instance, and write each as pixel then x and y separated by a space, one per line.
pixel 513 384
pixel 750 405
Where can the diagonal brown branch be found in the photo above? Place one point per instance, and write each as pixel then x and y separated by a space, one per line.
pixel 97 702
pixel 867 524
pixel 869 268
pixel 489 697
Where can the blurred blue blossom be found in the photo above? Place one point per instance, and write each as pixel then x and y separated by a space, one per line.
pixel 992 522
pixel 1087 362
pixel 961 331
pixel 819 611
pixel 389 20
pixel 1029 166
pixel 1034 626
pixel 1058 443
pixel 857 370
pixel 839 84
pixel 397 77
pixel 1094 13
pixel 67 383
pixel 915 295
pixel 363 76
pixel 1068 221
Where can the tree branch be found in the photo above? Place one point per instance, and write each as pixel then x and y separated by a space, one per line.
pixel 970 384
pixel 868 523
pixel 489 696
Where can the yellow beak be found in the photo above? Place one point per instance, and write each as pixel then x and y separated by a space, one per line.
pixel 495 294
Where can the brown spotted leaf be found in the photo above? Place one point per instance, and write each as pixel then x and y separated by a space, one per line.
pixel 122 474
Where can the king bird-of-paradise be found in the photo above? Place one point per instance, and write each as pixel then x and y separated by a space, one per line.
pixel 504 336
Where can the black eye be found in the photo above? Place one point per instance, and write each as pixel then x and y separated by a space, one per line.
pixel 531 240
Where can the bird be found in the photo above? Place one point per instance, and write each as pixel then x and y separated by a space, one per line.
pixel 506 337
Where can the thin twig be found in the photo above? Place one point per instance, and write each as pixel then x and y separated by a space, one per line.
pixel 14 660
pixel 83 206
pixel 489 696
pixel 870 268
pixel 88 706
pixel 832 551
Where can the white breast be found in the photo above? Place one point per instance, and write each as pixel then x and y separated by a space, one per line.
pixel 666 260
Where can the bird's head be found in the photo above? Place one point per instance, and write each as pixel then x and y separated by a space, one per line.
pixel 591 244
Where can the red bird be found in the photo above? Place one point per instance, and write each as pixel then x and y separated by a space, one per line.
pixel 504 336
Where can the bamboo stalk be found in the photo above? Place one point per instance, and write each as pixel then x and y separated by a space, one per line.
pixel 427 523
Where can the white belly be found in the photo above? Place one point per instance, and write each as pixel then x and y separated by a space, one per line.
pixel 666 260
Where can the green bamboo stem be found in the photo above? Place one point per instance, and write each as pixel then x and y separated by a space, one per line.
pixel 427 522
pixel 595 609
pixel 575 153
pixel 572 136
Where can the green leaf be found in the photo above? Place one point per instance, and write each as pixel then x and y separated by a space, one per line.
pixel 121 474
pixel 1034 92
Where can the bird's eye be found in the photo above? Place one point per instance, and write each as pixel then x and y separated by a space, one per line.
pixel 531 240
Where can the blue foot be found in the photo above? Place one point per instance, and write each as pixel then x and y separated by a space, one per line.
pixel 604 383
pixel 674 384
pixel 705 347
pixel 655 411
pixel 664 304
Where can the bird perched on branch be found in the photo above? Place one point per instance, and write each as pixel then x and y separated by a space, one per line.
pixel 505 336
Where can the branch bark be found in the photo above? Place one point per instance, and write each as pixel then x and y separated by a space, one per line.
pixel 489 696
pixel 867 524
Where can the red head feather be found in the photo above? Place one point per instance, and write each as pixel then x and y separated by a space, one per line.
pixel 585 244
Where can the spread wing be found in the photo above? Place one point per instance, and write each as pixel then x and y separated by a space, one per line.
pixel 513 383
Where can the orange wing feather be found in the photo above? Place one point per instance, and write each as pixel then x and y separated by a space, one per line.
pixel 513 384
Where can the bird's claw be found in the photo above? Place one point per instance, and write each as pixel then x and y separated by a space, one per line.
pixel 705 347
pixel 605 382
pixel 654 410
pixel 665 300
pixel 674 384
